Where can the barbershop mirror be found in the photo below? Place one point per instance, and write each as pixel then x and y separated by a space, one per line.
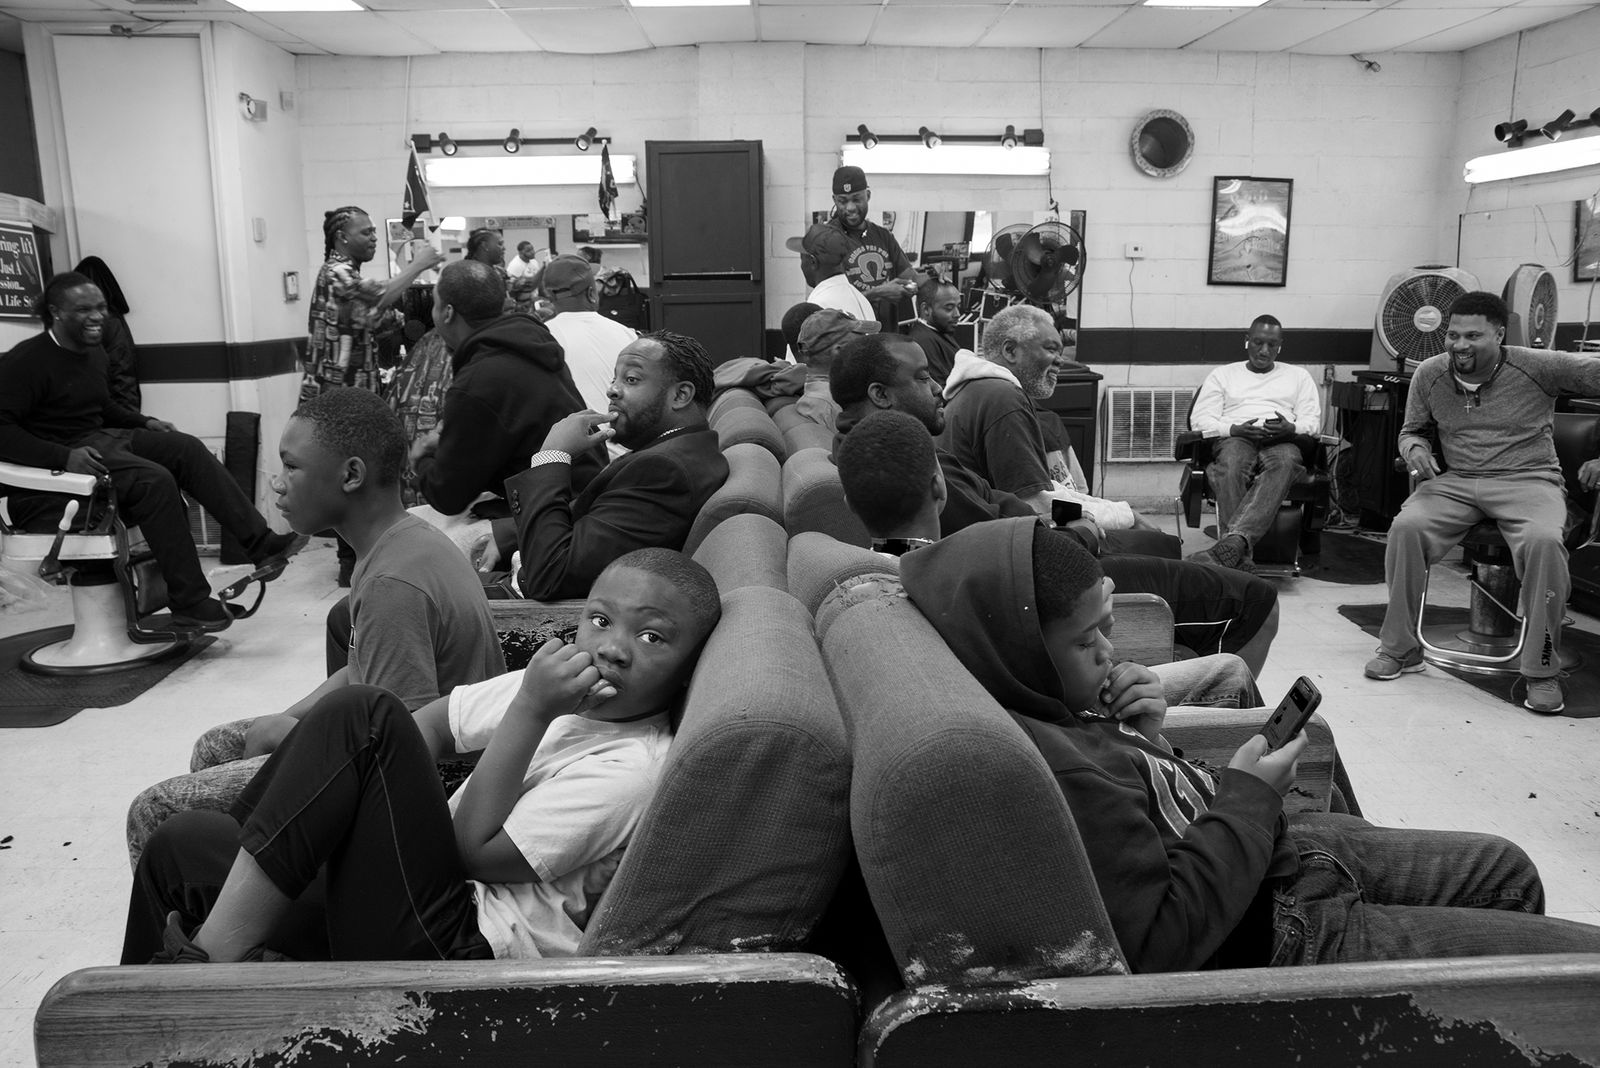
pixel 954 245
pixel 1561 235
pixel 556 220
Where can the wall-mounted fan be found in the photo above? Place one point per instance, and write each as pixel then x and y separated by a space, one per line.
pixel 1409 325
pixel 1530 294
pixel 1039 264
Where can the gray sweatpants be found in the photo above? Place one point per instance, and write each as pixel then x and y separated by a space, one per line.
pixel 1531 510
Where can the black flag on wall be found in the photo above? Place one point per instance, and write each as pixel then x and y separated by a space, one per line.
pixel 416 202
pixel 608 182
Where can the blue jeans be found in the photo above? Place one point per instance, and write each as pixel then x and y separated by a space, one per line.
pixel 1221 680
pixel 1368 893
pixel 1250 484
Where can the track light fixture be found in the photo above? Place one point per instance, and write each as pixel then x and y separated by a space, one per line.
pixel 1558 125
pixel 929 138
pixel 1009 138
pixel 513 141
pixel 1510 132
pixel 868 138
pixel 585 139
pixel 447 146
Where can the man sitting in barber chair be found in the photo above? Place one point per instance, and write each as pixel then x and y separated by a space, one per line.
pixel 1255 410
pixel 1492 407
pixel 56 412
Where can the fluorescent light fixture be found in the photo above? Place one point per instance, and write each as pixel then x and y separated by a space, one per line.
pixel 948 159
pixel 1562 155
pixel 454 223
pixel 1204 3
pixel 461 171
pixel 690 3
pixel 297 5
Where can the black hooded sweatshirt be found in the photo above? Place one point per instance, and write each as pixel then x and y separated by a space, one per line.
pixel 1179 855
pixel 510 385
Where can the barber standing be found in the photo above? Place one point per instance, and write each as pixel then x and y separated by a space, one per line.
pixel 875 264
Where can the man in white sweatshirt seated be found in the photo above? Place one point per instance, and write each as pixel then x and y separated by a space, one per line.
pixel 992 426
pixel 1254 409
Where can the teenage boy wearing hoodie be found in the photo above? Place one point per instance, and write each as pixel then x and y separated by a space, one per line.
pixel 1197 868
pixel 509 386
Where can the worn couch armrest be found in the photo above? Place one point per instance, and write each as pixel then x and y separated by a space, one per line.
pixel 733 1009
pixel 1144 629
pixel 1212 735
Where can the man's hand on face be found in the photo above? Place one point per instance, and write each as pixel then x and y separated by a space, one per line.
pixel 579 432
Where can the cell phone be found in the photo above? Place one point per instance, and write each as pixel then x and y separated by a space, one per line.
pixel 1292 713
pixel 1064 512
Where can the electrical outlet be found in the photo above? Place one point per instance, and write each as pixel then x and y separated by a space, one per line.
pixel 1133 250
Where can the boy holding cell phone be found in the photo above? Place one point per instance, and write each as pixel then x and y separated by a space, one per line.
pixel 1199 869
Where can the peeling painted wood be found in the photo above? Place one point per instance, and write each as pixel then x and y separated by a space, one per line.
pixel 1499 1011
pixel 777 1009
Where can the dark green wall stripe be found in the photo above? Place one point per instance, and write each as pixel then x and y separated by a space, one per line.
pixel 216 361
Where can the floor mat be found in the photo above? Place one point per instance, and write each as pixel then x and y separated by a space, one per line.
pixel 1582 685
pixel 1348 559
pixel 29 700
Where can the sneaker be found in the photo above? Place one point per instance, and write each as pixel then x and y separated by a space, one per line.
pixel 1233 551
pixel 177 947
pixel 208 615
pixel 1544 695
pixel 1384 667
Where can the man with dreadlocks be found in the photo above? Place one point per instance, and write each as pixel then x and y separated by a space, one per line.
pixel 346 312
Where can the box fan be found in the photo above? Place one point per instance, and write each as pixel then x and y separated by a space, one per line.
pixel 1530 294
pixel 1409 325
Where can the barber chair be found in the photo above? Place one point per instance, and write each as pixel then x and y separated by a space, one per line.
pixel 1296 531
pixel 116 587
pixel 1492 642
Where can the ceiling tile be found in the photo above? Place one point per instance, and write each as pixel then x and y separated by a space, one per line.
pixel 667 26
pixel 1161 27
pixel 1272 29
pixel 552 5
pixel 818 3
pixel 75 13
pixel 1491 25
pixel 464 31
pixel 952 27
pixel 1048 27
pixel 815 25
pixel 428 5
pixel 997 4
pixel 350 33
pixel 1390 30
pixel 590 32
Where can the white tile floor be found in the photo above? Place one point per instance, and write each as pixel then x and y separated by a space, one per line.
pixel 1424 750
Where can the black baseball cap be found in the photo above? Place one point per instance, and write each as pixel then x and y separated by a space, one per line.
pixel 849 180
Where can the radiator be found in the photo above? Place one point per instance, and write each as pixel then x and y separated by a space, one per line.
pixel 1142 421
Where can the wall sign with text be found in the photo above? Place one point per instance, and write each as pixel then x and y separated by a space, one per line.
pixel 20 279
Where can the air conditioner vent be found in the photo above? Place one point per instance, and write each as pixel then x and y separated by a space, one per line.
pixel 1141 422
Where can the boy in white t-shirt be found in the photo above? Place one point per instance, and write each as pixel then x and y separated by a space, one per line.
pixel 510 866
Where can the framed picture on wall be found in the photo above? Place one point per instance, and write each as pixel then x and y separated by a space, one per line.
pixel 1586 241
pixel 1249 231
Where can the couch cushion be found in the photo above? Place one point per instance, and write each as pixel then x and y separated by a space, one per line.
pixel 813 499
pixel 973 861
pixel 741 425
pixel 818 564
pixel 748 835
pixel 754 485
pixel 746 550
pixel 730 400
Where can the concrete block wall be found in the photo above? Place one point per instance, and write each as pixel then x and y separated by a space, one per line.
pixel 1367 151
pixel 1531 75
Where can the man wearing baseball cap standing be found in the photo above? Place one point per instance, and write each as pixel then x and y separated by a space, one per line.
pixel 875 264
pixel 822 335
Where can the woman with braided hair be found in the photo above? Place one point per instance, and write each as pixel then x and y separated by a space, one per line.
pixel 347 312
